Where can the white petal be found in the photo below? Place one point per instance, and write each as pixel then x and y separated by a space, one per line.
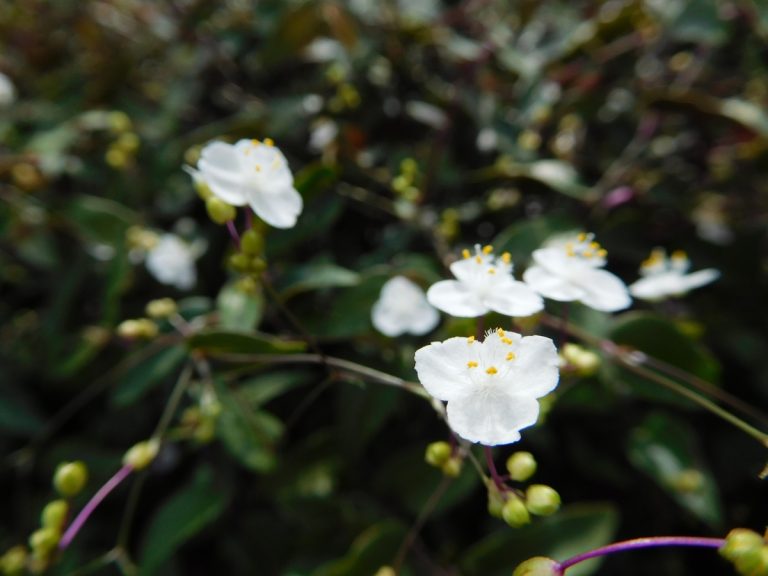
pixel 513 298
pixel 604 291
pixel 279 208
pixel 700 278
pixel 386 320
pixel 552 286
pixel 553 259
pixel 220 168
pixel 469 270
pixel 423 320
pixel 535 369
pixel 455 299
pixel 656 287
pixel 442 367
pixel 490 416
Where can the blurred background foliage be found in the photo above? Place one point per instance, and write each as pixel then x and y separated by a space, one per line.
pixel 641 120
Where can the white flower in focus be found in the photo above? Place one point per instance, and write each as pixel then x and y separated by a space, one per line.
pixel 484 283
pixel 664 277
pixel 172 261
pixel 572 270
pixel 7 91
pixel 402 307
pixel 253 173
pixel 491 386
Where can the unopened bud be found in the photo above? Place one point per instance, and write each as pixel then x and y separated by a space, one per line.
pixel 70 478
pixel 219 211
pixel 438 454
pixel 521 466
pixel 538 566
pixel 495 501
pixel 687 481
pixel 386 571
pixel 54 514
pixel 161 308
pixel 119 122
pixel 740 542
pixel 452 467
pixel 252 242
pixel 43 541
pixel 542 500
pixel 141 455
pixel 13 561
pixel 515 513
pixel 116 158
pixel 128 143
pixel 141 328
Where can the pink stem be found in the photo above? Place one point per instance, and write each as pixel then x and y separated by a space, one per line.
pixel 498 480
pixel 92 504
pixel 233 233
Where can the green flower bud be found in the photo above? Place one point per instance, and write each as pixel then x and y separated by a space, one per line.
pixel 495 501
pixel 583 361
pixel 515 513
pixel 43 541
pixel 542 500
pixel 161 308
pixel 452 467
pixel 753 563
pixel 252 243
pixel 219 211
pixel 205 431
pixel 687 481
pixel 141 455
pixel 70 478
pixel 386 571
pixel 438 454
pixel 119 122
pixel 538 566
pixel 116 158
pixel 54 514
pixel 128 143
pixel 13 561
pixel 140 328
pixel 521 466
pixel 409 166
pixel 741 541
pixel 240 262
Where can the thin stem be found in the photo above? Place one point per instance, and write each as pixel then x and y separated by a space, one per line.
pixel 92 504
pixel 498 480
pixel 637 543
pixel 233 233
pixel 173 401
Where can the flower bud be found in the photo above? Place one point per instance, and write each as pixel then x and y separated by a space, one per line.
pixel 116 158
pixel 740 542
pixel 521 466
pixel 252 242
pixel 161 308
pixel 43 541
pixel 495 501
pixel 753 563
pixel 583 361
pixel 438 454
pixel 128 143
pixel 515 513
pixel 70 478
pixel 141 455
pixel 54 514
pixel 119 122
pixel 219 211
pixel 13 561
pixel 452 467
pixel 140 328
pixel 542 500
pixel 386 571
pixel 687 481
pixel 538 566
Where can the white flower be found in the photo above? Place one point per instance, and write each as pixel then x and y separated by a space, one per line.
pixel 172 261
pixel 484 283
pixel 7 90
pixel 402 307
pixel 492 386
pixel 571 270
pixel 664 277
pixel 254 173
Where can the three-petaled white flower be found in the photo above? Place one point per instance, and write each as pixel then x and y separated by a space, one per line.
pixel 491 386
pixel 172 261
pixel 664 277
pixel 253 173
pixel 484 283
pixel 402 307
pixel 572 270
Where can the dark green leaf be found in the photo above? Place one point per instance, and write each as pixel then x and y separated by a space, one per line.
pixel 374 548
pixel 234 342
pixel 143 377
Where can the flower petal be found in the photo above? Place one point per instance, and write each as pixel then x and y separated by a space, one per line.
pixel 535 370
pixel 491 416
pixel 700 278
pixel 552 286
pixel 455 299
pixel 442 367
pixel 423 319
pixel 603 291
pixel 279 208
pixel 513 298
pixel 655 287
pixel 386 320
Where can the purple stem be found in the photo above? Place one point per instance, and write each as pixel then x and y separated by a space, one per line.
pixel 92 504
pixel 651 542
pixel 248 218
pixel 233 233
pixel 498 480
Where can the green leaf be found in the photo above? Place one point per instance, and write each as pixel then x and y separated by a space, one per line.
pixel 261 389
pixel 236 342
pixel 180 518
pixel 148 374
pixel 668 450
pixel 101 220
pixel 700 22
pixel 575 529
pixel 239 310
pixel 556 174
pixel 315 276
pixel 374 548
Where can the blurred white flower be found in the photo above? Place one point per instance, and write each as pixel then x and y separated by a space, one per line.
pixel 322 133
pixel 7 91
pixel 491 386
pixel 172 261
pixel 568 270
pixel 402 307
pixel 664 276
pixel 484 283
pixel 254 173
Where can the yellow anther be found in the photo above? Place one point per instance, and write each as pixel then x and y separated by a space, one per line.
pixel 470 339
pixel 507 341
pixel 492 370
pixel 501 333
pixel 594 245
pixel 258 168
pixel 679 255
pixel 569 250
pixel 269 142
pixel 471 364
pixel 602 253
pixel 487 249
pixel 510 356
pixel 491 270
pixel 582 236
pixel 479 259
pixel 255 142
pixel 465 253
pixel 506 257
pixel 587 253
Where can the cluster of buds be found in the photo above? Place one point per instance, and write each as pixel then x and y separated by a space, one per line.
pixel 405 184
pixel 137 329
pixel 445 457
pixel 198 422
pixel 122 151
pixel 747 550
pixel 249 260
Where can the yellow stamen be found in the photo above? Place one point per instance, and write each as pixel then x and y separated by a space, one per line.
pixel 594 245
pixel 491 270
pixel 602 253
pixel 487 249
pixel 471 364
pixel 501 333
pixel 255 142
pixel 569 250
pixel 269 142
pixel 465 253
pixel 506 258
pixel 582 236
pixel 507 341
pixel 258 168
pixel 587 253
pixel 470 339
pixel 679 255
pixel 492 370
pixel 510 356
pixel 479 259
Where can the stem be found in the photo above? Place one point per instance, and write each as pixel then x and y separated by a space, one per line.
pixel 92 504
pixel 233 233
pixel 498 480
pixel 637 543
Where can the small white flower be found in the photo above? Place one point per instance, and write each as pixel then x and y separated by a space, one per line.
pixel 484 283
pixel 572 270
pixel 402 307
pixel 7 91
pixel 322 133
pixel 172 261
pixel 254 173
pixel 491 386
pixel 664 277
